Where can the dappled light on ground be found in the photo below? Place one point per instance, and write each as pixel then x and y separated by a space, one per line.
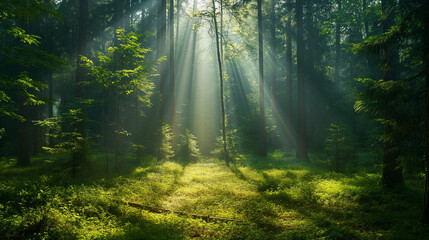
pixel 255 198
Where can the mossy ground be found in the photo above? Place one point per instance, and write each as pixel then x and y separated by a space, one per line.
pixel 275 197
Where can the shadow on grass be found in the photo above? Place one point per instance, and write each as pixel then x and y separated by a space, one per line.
pixel 336 205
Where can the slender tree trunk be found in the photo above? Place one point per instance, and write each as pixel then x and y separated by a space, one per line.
pixel 301 151
pixel 106 132
pixel 119 16
pixel 193 67
pixel 289 103
pixel 50 48
pixel 337 45
pixel 425 218
pixel 172 75
pixel 222 102
pixel 23 136
pixel 262 137
pixel 392 170
pixel 117 130
pixel 221 30
pixel 273 56
pixel 365 17
pixel 273 89
pixel 24 143
pixel 309 60
pixel 162 43
pixel 177 24
pixel 82 43
pixel 127 15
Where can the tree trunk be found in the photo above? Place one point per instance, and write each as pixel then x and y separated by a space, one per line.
pixel 392 171
pixel 289 103
pixel 301 151
pixel 273 89
pixel 119 14
pixel 117 130
pixel 177 24
pixel 365 21
pixel 262 137
pixel 24 136
pixel 127 15
pixel 161 40
pixel 82 42
pixel 425 218
pixel 221 30
pixel 172 80
pixel 273 56
pixel 337 45
pixel 222 102
pixel 193 74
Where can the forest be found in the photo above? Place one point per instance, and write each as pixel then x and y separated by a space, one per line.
pixel 214 119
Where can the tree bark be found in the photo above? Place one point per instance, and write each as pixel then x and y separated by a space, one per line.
pixel 82 42
pixel 161 40
pixel 425 218
pixel 188 121
pixel 222 102
pixel 301 151
pixel 273 86
pixel 262 137
pixel 177 24
pixel 172 75
pixel 392 170
pixel 337 45
pixel 289 76
pixel 365 21
pixel 23 136
pixel 273 56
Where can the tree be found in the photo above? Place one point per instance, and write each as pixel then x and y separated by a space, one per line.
pixel 82 45
pixel 301 151
pixel 392 171
pixel 289 78
pixel 21 54
pixel 338 43
pixel 172 80
pixel 222 101
pixel 262 134
pixel 127 70
pixel 161 40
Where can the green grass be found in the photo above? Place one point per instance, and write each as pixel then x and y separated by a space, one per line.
pixel 275 198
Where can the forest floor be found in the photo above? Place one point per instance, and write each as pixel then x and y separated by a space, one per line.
pixel 255 198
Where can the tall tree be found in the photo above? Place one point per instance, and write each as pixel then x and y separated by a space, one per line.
pixel 289 74
pixel 82 43
pixel 262 135
pixel 301 136
pixel 172 74
pixel 222 102
pixel 365 21
pixel 337 43
pixel 425 218
pixel 392 170
pixel 161 52
pixel 274 61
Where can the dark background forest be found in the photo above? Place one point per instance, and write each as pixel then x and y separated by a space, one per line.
pixel 214 119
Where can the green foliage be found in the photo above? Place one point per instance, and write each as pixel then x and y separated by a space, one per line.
pixel 231 144
pixel 126 68
pixel 64 141
pixel 166 150
pixel 338 146
pixel 299 202
pixel 187 148
pixel 19 51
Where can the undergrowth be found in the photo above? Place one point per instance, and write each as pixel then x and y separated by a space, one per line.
pixel 259 198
